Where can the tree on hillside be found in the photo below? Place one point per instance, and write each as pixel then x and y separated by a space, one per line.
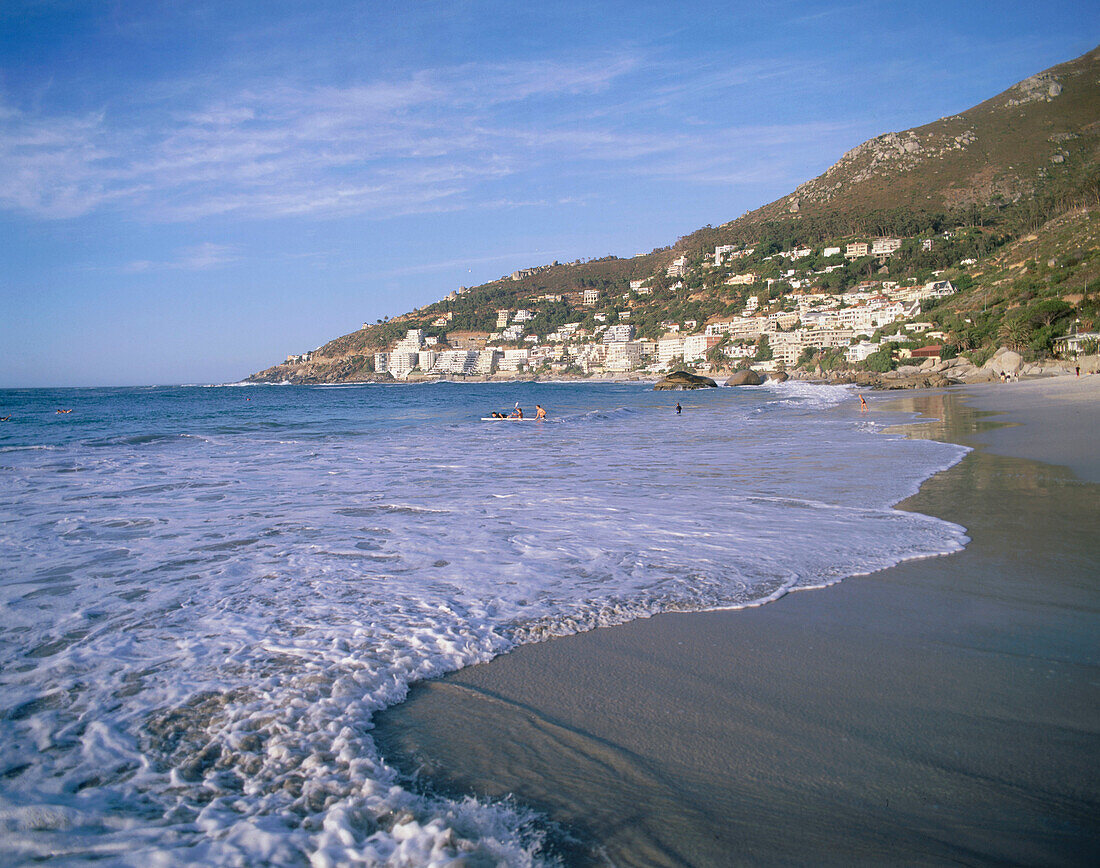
pixel 1049 310
pixel 1016 332
pixel 882 359
pixel 716 355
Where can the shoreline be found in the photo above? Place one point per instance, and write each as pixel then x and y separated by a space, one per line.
pixel 944 709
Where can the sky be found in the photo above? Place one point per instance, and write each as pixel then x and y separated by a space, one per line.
pixel 192 189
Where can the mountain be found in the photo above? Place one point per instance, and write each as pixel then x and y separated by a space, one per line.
pixel 1025 163
pixel 1041 136
pixel 1025 155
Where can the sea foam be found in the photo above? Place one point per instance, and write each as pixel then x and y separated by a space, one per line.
pixel 199 628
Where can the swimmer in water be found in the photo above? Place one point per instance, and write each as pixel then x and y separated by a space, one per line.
pixel 539 412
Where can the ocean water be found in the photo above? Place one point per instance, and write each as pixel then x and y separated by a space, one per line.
pixel 208 591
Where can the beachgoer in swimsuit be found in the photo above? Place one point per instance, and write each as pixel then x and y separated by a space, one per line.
pixel 539 412
pixel 862 403
pixel 517 413
pixel 678 409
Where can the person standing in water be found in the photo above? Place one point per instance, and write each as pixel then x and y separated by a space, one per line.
pixel 678 408
pixel 862 404
pixel 539 412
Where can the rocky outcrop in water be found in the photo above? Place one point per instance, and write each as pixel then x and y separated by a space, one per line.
pixel 684 380
pixel 746 377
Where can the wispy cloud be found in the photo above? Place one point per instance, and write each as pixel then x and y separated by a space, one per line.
pixel 468 262
pixel 433 140
pixel 198 258
pixel 392 146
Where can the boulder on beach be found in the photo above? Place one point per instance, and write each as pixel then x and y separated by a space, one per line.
pixel 1005 361
pixel 684 380
pixel 746 377
pixel 778 376
pixel 928 380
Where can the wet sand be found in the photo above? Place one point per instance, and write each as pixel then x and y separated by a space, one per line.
pixel 945 710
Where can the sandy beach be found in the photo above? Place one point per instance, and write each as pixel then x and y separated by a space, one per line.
pixel 944 710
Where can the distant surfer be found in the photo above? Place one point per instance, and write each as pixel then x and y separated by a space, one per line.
pixel 64 411
pixel 539 412
pixel 497 415
pixel 679 409
pixel 517 413
pixel 6 418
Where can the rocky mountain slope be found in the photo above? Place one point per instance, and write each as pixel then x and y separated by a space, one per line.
pixel 1039 137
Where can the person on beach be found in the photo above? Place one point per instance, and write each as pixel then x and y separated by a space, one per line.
pixel 679 409
pixel 862 404
pixel 539 412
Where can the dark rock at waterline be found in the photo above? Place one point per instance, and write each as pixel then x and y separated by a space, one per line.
pixel 746 377
pixel 931 381
pixel 779 376
pixel 684 380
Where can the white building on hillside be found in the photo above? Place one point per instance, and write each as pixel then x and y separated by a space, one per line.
pixel 402 361
pixel 515 360
pixel 669 348
pixel 828 338
pixel 618 333
pixel 885 246
pixel 938 289
pixel 748 327
pixel 695 346
pixel 623 356
pixel 721 251
pixel 859 352
pixel 487 360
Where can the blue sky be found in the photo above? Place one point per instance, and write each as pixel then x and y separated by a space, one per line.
pixel 190 190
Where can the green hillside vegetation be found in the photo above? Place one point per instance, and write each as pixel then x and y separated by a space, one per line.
pixel 1012 185
pixel 1032 292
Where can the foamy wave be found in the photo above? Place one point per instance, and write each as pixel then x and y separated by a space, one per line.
pixel 197 635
